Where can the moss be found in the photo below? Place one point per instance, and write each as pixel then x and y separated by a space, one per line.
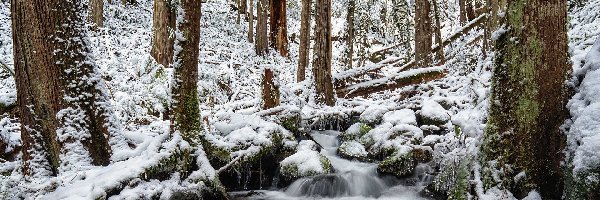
pixel 350 135
pixel 398 165
pixel 583 184
pixel 188 120
pixel 292 123
pixel 461 183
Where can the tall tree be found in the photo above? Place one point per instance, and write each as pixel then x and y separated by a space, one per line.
pixel 261 43
pixel 462 12
pixel 439 54
pixel 422 33
pixel 278 26
pixel 251 21
pixel 350 38
pixel 186 109
pixel 62 107
pixel 322 53
pixel 163 24
pixel 528 97
pixel 96 13
pixel 304 42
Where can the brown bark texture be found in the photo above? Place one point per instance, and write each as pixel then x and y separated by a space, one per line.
pixel 278 27
pixel 270 91
pixel 423 33
pixel 350 38
pixel 57 86
pixel 96 13
pixel 163 25
pixel 186 109
pixel 251 21
pixel 439 53
pixel 304 43
pixel 261 43
pixel 523 128
pixel 322 54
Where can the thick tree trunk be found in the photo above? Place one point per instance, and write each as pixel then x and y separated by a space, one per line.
pixel 304 42
pixel 96 13
pixel 462 14
pixel 261 44
pixel 422 33
pixel 251 21
pixel 439 54
pixel 278 27
pixel 350 39
pixel 57 88
pixel 163 25
pixel 322 54
pixel 270 91
pixel 529 96
pixel 186 109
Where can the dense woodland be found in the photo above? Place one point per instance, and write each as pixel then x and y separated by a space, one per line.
pixel 323 99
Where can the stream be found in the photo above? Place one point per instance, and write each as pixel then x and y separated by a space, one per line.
pixel 352 180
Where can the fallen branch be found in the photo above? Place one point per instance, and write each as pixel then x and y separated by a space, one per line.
pixel 391 82
pixel 228 165
pixel 6 68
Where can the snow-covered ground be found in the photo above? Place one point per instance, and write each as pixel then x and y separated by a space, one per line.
pixel 230 74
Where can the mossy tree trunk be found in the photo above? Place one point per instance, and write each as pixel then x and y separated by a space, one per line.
pixel 96 13
pixel 304 42
pixel 529 97
pixel 322 54
pixel 423 33
pixel 58 88
pixel 278 27
pixel 163 24
pixel 186 109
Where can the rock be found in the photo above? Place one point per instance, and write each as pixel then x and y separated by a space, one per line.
pixel 432 113
pixel 291 119
pixel 422 154
pixel 352 150
pixel 355 131
pixel 373 114
pixel 400 165
pixel 404 116
pixel 305 162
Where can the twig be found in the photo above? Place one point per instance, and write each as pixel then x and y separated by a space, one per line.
pixel 6 68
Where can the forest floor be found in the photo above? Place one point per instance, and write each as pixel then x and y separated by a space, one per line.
pixel 230 98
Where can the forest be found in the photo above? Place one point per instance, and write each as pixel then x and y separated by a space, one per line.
pixel 300 99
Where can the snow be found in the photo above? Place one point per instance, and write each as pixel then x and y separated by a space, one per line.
pixel 306 159
pixel 373 114
pixel 354 148
pixel 403 116
pixel 434 110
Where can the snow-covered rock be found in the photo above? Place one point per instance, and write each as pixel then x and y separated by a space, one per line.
pixel 305 162
pixel 373 114
pixel 432 113
pixel 403 116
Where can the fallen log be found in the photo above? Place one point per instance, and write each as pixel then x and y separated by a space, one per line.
pixel 341 78
pixel 401 79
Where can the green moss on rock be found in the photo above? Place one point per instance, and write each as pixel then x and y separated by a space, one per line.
pixel 399 165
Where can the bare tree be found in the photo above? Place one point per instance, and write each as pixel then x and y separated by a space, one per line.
pixel 304 43
pixel 350 38
pixel 251 21
pixel 261 43
pixel 422 33
pixel 322 54
pixel 96 13
pixel 163 25
pixel 278 26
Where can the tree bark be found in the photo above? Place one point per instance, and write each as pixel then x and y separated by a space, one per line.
pixel 529 96
pixel 422 33
pixel 261 44
pixel 322 54
pixel 462 14
pixel 96 13
pixel 62 108
pixel 278 27
pixel 304 42
pixel 350 39
pixel 270 91
pixel 186 109
pixel 251 21
pixel 163 26
pixel 439 54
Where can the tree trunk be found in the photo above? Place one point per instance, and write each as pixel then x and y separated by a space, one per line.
pixel 350 39
pixel 438 35
pixel 304 42
pixel 186 109
pixel 422 33
pixel 322 54
pixel 270 91
pixel 529 96
pixel 163 25
pixel 96 13
pixel 261 44
pixel 462 14
pixel 278 27
pixel 62 108
pixel 251 21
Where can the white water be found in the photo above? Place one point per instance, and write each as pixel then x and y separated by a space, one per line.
pixel 352 180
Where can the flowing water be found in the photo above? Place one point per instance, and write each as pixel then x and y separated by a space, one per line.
pixel 351 180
